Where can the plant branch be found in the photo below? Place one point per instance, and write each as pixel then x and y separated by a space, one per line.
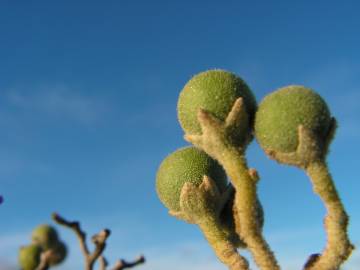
pixel 103 263
pixel 99 240
pixel 122 264
pixel 217 142
pixel 223 247
pixel 75 227
pixel 44 261
pixel 245 202
pixel 338 247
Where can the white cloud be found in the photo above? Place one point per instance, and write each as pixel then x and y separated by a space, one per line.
pixel 12 241
pixel 9 245
pixel 12 166
pixel 59 101
pixel 190 256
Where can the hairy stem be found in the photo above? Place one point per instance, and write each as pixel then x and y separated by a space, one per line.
pixel 235 166
pixel 103 263
pixel 224 249
pixel 338 247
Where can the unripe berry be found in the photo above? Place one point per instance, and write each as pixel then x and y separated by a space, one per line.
pixel 215 91
pixel 29 257
pixel 45 236
pixel 58 254
pixel 282 112
pixel 187 164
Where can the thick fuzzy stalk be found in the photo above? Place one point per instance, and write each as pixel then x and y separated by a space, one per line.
pixel 338 247
pixel 245 203
pixel 216 141
pixel 224 249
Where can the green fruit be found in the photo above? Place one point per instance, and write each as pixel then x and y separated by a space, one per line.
pixel 29 257
pixel 58 254
pixel 187 164
pixel 215 91
pixel 45 236
pixel 281 113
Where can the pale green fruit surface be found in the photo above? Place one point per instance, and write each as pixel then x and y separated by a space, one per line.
pixel 215 91
pixel 187 164
pixel 281 112
pixel 29 257
pixel 45 235
pixel 58 254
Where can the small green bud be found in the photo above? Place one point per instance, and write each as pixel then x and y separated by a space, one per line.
pixel 215 91
pixel 282 112
pixel 58 254
pixel 45 236
pixel 187 164
pixel 29 256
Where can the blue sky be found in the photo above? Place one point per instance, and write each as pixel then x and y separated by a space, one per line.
pixel 88 94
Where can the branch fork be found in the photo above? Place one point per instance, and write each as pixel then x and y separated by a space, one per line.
pixel 99 240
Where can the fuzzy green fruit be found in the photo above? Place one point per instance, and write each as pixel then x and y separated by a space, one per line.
pixel 282 112
pixel 29 256
pixel 45 236
pixel 187 164
pixel 58 254
pixel 215 91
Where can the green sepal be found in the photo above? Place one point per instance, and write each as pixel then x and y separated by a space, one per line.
pixel 197 203
pixel 309 149
pixel 216 134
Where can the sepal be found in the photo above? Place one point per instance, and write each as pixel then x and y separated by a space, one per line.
pixel 198 203
pixel 217 135
pixel 310 147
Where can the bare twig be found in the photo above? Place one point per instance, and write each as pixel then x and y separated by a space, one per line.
pixel 44 260
pixel 99 240
pixel 122 264
pixel 75 226
pixel 103 263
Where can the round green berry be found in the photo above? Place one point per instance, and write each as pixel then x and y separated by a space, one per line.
pixel 215 91
pixel 45 236
pixel 187 164
pixel 29 257
pixel 282 112
pixel 58 254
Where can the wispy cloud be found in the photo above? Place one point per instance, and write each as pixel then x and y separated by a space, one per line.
pixel 12 166
pixel 9 245
pixel 12 241
pixel 190 256
pixel 58 101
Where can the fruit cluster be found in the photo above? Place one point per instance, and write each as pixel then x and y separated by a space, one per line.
pixel 220 117
pixel 46 249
